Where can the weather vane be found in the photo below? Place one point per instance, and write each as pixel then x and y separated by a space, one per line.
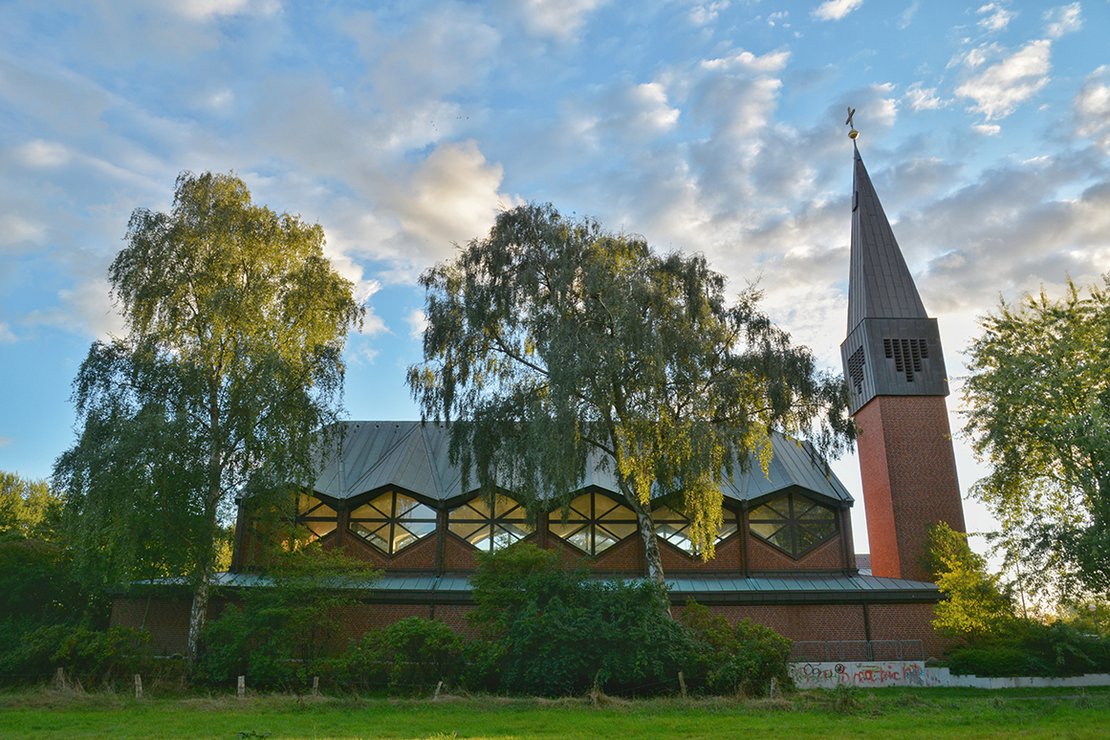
pixel 852 133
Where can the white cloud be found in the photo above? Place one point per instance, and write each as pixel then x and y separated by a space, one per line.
pixel 6 333
pixel 1063 20
pixel 40 153
pixel 417 322
pixel 1092 108
pixel 201 10
pixel 834 10
pixel 557 19
pixel 987 129
pixel 745 61
pixel 778 18
pixel 705 13
pixel 15 229
pixel 451 197
pixel 1001 87
pixel 5 441
pixel 922 98
pixel 997 17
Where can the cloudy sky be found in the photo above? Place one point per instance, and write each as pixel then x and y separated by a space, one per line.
pixel 404 127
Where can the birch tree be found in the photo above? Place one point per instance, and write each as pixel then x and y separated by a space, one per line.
pixel 232 362
pixel 551 340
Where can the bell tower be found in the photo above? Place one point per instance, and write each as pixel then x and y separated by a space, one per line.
pixel 897 384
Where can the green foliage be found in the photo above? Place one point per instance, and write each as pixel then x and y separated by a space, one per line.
pixel 39 591
pixel 231 365
pixel 287 630
pixel 974 605
pixel 1039 400
pixel 736 659
pixel 558 633
pixel 29 509
pixel 551 340
pixel 409 656
pixel 91 657
pixel 1034 649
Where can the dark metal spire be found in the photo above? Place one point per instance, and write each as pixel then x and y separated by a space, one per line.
pixel 893 347
pixel 879 285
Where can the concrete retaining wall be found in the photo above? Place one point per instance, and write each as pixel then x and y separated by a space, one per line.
pixel 879 674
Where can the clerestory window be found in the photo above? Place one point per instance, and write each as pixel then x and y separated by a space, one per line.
pixel 393 521
pixel 316 516
pixel 793 523
pixel 673 527
pixel 489 525
pixel 594 523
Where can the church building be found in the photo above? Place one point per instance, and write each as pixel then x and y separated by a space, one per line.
pixel 784 552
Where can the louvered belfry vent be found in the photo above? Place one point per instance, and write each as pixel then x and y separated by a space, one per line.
pixel 907 355
pixel 855 370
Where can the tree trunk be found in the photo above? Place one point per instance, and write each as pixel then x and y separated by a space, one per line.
pixel 196 616
pixel 653 560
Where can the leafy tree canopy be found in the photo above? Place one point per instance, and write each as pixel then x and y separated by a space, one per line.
pixel 232 361
pixel 1038 402
pixel 29 509
pixel 552 340
pixel 975 605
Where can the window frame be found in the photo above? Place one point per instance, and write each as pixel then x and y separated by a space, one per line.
pixel 590 523
pixel 392 520
pixel 793 522
pixel 728 517
pixel 304 518
pixel 496 520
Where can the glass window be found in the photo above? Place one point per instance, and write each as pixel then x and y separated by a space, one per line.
pixel 393 521
pixel 594 523
pixel 675 528
pixel 489 527
pixel 313 514
pixel 793 523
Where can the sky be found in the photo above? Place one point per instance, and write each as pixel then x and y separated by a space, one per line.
pixel 404 128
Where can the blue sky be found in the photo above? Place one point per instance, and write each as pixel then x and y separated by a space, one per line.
pixel 404 127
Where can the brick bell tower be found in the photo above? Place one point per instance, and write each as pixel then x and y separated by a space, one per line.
pixel 897 384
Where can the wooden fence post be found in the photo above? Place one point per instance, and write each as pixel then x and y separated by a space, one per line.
pixel 242 687
pixel 682 684
pixel 315 685
pixel 138 686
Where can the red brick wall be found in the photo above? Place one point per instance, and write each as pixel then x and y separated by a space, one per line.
pixel 728 558
pixel 167 621
pixel 802 621
pixel 908 471
pixel 762 557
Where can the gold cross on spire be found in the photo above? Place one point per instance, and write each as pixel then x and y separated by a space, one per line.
pixel 852 133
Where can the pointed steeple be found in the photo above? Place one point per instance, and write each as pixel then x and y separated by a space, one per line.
pixel 880 285
pixel 893 347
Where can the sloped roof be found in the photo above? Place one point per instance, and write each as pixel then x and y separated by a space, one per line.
pixel 367 455
pixel 705 589
pixel 880 285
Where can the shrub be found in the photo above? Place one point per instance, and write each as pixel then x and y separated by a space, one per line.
pixel 553 632
pixel 285 632
pixel 1034 649
pixel 739 659
pixel 409 656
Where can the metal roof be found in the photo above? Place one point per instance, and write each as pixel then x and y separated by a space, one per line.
pixel 880 284
pixel 365 456
pixel 456 587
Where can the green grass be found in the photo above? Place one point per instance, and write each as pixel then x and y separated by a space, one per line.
pixel 964 713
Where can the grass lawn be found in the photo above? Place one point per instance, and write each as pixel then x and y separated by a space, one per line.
pixel 965 713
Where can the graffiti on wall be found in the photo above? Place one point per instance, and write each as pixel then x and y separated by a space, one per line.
pixel 870 674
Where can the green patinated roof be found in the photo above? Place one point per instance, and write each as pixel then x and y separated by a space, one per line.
pixel 369 455
pixel 709 589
